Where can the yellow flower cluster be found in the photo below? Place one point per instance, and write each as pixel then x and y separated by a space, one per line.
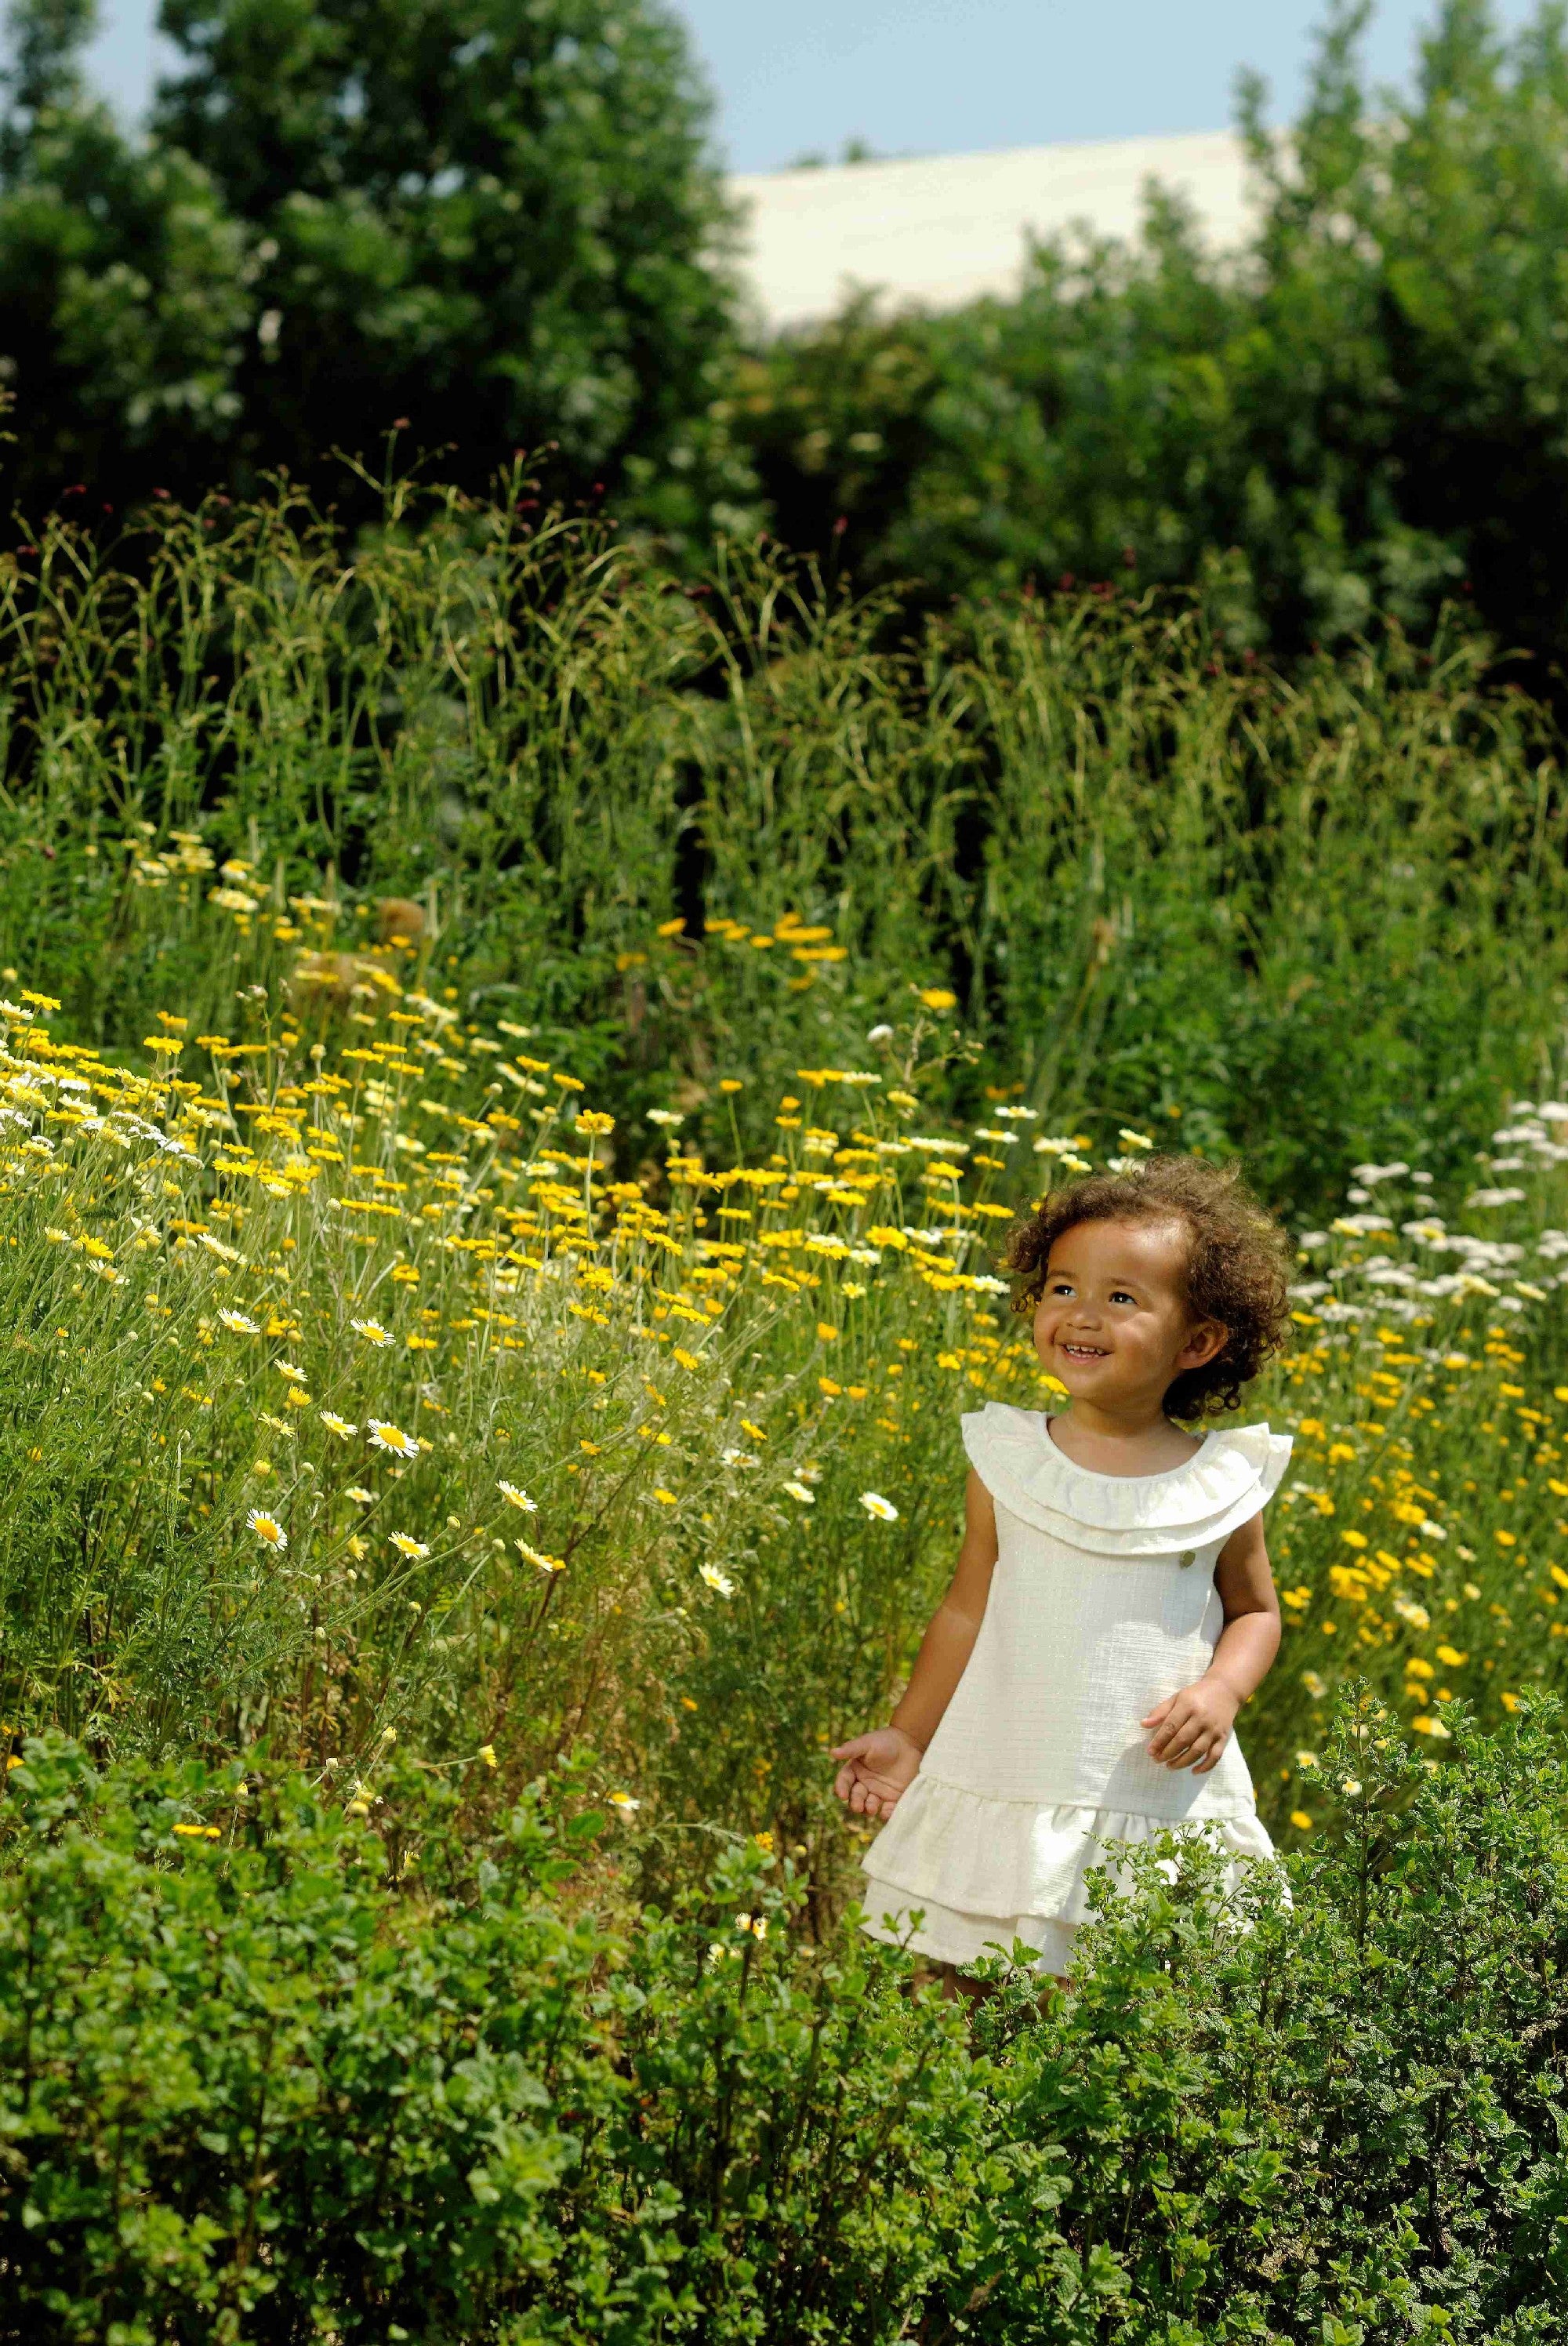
pixel 384 1293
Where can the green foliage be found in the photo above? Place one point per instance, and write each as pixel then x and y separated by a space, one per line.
pixel 498 231
pixel 1357 419
pixel 266 2074
pixel 1352 2131
pixel 1322 916
pixel 124 287
pixel 491 229
pixel 497 224
pixel 253 2092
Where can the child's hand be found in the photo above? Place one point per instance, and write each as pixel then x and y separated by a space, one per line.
pixel 877 1768
pixel 1193 1727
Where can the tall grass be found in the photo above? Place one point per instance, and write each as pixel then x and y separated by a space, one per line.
pixel 356 1393
pixel 481 1313
pixel 1322 915
pixel 283 1162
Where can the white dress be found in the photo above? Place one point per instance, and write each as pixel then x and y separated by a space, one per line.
pixel 1102 1604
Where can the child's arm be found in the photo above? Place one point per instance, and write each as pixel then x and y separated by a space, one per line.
pixel 878 1767
pixel 1193 1727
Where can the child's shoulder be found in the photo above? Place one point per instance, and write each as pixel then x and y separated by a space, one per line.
pixel 1233 1474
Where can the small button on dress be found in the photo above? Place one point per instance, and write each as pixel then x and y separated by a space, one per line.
pixel 1102 1604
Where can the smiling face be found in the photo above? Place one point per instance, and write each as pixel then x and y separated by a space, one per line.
pixel 1113 1323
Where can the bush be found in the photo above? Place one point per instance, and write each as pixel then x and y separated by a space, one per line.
pixel 252 2091
pixel 1354 422
pixel 266 2074
pixel 273 2078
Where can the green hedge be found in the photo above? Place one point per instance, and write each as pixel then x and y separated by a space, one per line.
pixel 270 2074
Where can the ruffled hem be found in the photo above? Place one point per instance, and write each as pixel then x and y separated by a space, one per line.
pixel 1222 1485
pixel 984 1869
pixel 946 1936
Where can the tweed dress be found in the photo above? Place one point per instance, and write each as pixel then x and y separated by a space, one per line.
pixel 1102 1604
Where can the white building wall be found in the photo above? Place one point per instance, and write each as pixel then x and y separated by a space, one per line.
pixel 943 230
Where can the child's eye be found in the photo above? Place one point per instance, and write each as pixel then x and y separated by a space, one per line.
pixel 1120 1295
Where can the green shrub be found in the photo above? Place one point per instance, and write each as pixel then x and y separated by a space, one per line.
pixel 308 2080
pixel 1353 420
pixel 252 2093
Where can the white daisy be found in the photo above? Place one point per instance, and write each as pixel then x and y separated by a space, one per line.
pixel 393 1438
pixel 536 1555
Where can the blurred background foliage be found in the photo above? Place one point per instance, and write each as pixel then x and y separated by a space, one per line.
pixel 486 226
pixel 501 229
pixel 1360 416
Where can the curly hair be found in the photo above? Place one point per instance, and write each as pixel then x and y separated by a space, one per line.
pixel 1236 1271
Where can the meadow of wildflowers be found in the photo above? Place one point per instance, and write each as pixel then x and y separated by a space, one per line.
pixel 512 1085
pixel 455 1555
pixel 384 1386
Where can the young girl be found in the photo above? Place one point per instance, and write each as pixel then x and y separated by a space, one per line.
pixel 1112 1607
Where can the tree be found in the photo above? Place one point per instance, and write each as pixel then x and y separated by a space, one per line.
pixel 1363 414
pixel 124 292
pixel 497 224
pixel 496 218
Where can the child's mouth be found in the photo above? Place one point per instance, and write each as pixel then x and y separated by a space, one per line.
pixel 1085 1352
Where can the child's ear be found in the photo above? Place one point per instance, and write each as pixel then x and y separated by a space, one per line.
pixel 1205 1341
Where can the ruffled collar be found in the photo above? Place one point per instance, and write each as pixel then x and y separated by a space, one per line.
pixel 1220 1487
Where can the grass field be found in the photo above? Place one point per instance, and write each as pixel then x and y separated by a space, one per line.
pixel 352 1394
pixel 514 1084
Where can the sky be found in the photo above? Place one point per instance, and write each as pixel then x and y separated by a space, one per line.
pixel 950 77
